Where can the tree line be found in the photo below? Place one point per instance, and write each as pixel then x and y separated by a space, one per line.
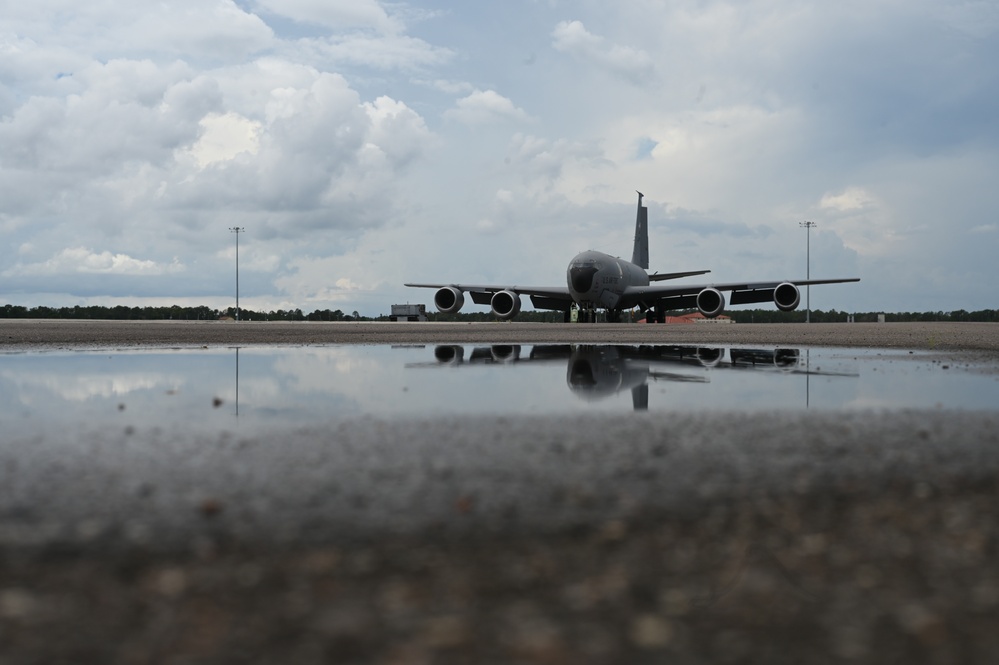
pixel 175 312
pixel 834 316
pixel 204 313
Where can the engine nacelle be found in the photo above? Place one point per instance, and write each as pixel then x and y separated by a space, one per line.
pixel 505 304
pixel 787 358
pixel 787 297
pixel 449 299
pixel 710 357
pixel 504 353
pixel 449 354
pixel 710 302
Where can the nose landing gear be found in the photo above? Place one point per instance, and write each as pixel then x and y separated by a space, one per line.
pixel 589 315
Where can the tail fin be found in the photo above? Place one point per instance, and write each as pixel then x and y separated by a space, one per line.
pixel 640 255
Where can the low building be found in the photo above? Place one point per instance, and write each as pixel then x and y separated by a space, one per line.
pixel 408 313
pixel 697 317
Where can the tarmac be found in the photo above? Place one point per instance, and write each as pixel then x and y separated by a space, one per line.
pixel 716 537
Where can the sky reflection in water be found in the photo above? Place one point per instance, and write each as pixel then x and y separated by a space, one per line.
pixel 281 386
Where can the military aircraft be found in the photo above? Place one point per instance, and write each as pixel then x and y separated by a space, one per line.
pixel 595 280
pixel 596 372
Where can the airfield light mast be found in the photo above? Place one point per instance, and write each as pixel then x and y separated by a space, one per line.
pixel 237 230
pixel 808 226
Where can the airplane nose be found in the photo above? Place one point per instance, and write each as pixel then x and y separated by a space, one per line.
pixel 581 278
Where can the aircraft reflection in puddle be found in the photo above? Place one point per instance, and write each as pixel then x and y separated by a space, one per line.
pixel 596 372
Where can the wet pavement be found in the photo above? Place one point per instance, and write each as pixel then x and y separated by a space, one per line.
pixel 279 387
pixel 680 535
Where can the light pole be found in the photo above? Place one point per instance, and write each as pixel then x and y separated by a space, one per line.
pixel 237 230
pixel 808 226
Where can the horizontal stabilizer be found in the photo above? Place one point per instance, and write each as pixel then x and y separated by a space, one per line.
pixel 659 277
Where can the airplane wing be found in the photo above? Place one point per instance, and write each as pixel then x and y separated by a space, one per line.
pixel 659 277
pixel 684 296
pixel 542 297
pixel 664 291
pixel 552 291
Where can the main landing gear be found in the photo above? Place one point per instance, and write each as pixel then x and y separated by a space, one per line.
pixel 656 315
pixel 589 315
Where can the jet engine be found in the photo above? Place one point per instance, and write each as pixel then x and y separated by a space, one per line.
pixel 449 355
pixel 710 302
pixel 787 297
pixel 786 358
pixel 505 304
pixel 710 357
pixel 502 353
pixel 449 299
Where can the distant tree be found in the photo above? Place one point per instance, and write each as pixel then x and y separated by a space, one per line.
pixel 202 312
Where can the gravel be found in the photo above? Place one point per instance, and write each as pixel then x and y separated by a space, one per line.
pixel 721 537
pixel 26 334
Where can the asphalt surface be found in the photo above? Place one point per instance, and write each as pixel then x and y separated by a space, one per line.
pixel 22 334
pixel 687 538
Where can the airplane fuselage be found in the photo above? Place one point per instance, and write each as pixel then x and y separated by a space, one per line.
pixel 598 280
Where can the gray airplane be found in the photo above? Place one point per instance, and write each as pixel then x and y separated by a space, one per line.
pixel 595 372
pixel 595 280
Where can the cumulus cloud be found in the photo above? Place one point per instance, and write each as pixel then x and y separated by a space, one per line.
pixel 150 155
pixel 862 221
pixel 318 156
pixel 85 261
pixel 486 106
pixel 852 198
pixel 446 86
pixel 216 30
pixel 396 130
pixel 332 279
pixel 224 136
pixel 542 162
pixel 382 52
pixel 573 38
pixel 336 14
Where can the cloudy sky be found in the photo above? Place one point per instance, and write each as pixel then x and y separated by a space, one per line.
pixel 362 144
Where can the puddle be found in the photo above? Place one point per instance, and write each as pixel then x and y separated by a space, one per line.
pixel 229 388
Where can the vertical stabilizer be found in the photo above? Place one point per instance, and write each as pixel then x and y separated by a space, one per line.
pixel 640 255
